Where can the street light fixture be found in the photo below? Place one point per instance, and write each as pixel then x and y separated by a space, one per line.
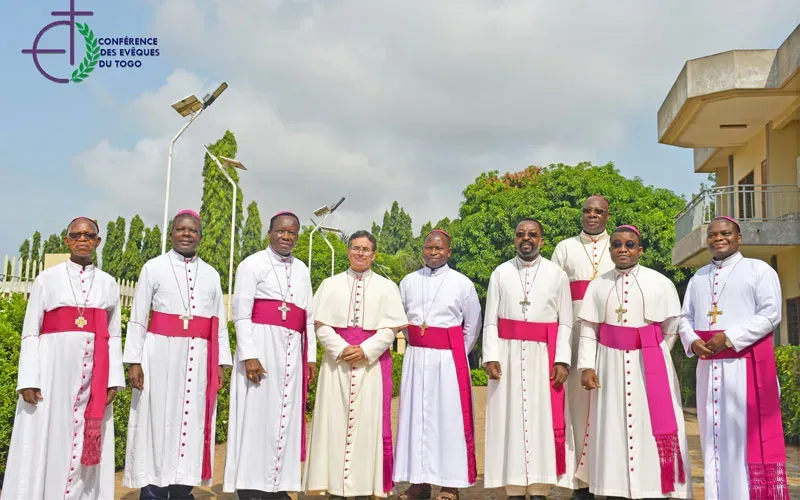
pixel 324 211
pixel 239 165
pixel 333 252
pixel 187 106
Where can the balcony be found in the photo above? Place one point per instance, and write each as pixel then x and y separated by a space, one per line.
pixel 769 215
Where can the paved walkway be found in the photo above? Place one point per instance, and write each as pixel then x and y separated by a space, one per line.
pixel 477 491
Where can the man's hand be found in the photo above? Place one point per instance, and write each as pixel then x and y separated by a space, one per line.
pixel 716 343
pixel 31 395
pixel 254 370
pixel 136 376
pixel 221 377
pixel 700 350
pixel 312 373
pixel 559 374
pixel 589 380
pixel 493 370
pixel 354 354
pixel 111 393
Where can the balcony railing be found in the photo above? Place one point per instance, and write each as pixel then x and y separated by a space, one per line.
pixel 745 202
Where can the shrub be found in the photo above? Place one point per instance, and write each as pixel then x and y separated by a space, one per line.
pixel 787 358
pixel 479 377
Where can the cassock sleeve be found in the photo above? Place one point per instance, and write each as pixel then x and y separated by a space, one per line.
pixel 686 325
pixel 137 324
pixel 559 256
pixel 331 341
pixel 471 307
pixel 225 358
pixel 376 345
pixel 669 328
pixel 116 372
pixel 490 338
pixel 587 347
pixel 564 339
pixel 244 296
pixel 28 374
pixel 310 334
pixel 768 310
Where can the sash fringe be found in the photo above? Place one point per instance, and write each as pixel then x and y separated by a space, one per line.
pixel 91 442
pixel 768 481
pixel 669 455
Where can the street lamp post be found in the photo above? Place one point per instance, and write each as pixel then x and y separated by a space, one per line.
pixel 239 165
pixel 187 106
pixel 324 211
pixel 333 252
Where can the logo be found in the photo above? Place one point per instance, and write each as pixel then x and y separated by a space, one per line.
pixel 92 47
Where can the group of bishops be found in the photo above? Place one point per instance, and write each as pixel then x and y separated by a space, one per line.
pixel 582 392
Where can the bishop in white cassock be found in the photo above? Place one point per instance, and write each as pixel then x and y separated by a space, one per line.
pixel 358 314
pixel 635 441
pixel 583 258
pixel 274 362
pixel 436 431
pixel 730 312
pixel 526 351
pixel 176 344
pixel 70 368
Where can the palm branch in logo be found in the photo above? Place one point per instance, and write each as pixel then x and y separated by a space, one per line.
pixel 92 54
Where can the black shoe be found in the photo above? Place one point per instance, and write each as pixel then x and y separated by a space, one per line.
pixel 582 494
pixel 517 497
pixel 538 497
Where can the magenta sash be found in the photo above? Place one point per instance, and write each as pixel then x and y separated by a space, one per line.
pixel 62 319
pixel 509 329
pixel 766 449
pixel 452 339
pixel 171 325
pixel 659 399
pixel 578 289
pixel 266 312
pixel 355 336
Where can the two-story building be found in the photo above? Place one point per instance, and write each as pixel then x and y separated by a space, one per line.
pixel 740 113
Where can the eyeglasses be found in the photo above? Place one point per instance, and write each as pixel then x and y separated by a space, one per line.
pixel 630 245
pixel 591 210
pixel 531 234
pixel 363 250
pixel 77 236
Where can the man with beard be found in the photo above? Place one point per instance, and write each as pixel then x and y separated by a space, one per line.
pixel 274 362
pixel 636 444
pixel 583 258
pixel 526 352
pixel 176 368
pixel 435 432
pixel 70 369
pixel 731 310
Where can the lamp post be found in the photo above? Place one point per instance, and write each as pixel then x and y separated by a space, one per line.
pixel 187 106
pixel 239 165
pixel 333 252
pixel 324 211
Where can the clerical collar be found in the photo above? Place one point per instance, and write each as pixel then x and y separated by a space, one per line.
pixel 275 255
pixel 632 269
pixel 182 258
pixel 364 275
pixel 727 261
pixel 594 237
pixel 525 263
pixel 78 267
pixel 438 271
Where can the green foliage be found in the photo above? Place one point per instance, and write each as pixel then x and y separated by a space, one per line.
pixel 216 210
pixel 54 244
pixel 321 258
pixel 419 241
pixel 251 235
pixel 132 260
pixel 151 245
pixel 787 358
pixel 113 247
pixel 36 248
pixel 92 56
pixel 686 369
pixel 479 377
pixel 395 233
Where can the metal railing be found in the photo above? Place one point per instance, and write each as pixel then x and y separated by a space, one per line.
pixel 745 202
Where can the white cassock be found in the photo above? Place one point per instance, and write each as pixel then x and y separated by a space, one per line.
pixel 350 450
pixel 166 427
pixel 583 258
pixel 623 458
pixel 265 425
pixel 431 439
pixel 520 445
pixel 748 294
pixel 44 459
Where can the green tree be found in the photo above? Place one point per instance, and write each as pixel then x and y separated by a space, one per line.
pixel 54 244
pixel 24 253
pixel 36 249
pixel 113 247
pixel 216 209
pixel 251 235
pixel 395 232
pixel 132 260
pixel 151 246
pixel 423 232
pixel 321 256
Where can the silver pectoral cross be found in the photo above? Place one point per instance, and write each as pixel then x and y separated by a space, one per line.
pixel 186 317
pixel 525 303
pixel 283 309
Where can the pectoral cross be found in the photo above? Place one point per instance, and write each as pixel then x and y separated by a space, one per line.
pixel 594 274
pixel 713 313
pixel 423 327
pixel 283 309
pixel 524 303
pixel 80 321
pixel 186 317
pixel 620 311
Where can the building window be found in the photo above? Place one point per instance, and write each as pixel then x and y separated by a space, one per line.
pixel 793 320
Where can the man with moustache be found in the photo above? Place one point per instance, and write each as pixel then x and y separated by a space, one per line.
pixel 526 352
pixel 583 258
pixel 435 432
pixel 176 360
pixel 70 369
pixel 274 362
pixel 357 316
pixel 636 438
pixel 730 312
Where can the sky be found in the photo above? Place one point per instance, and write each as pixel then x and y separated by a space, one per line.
pixel 372 100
